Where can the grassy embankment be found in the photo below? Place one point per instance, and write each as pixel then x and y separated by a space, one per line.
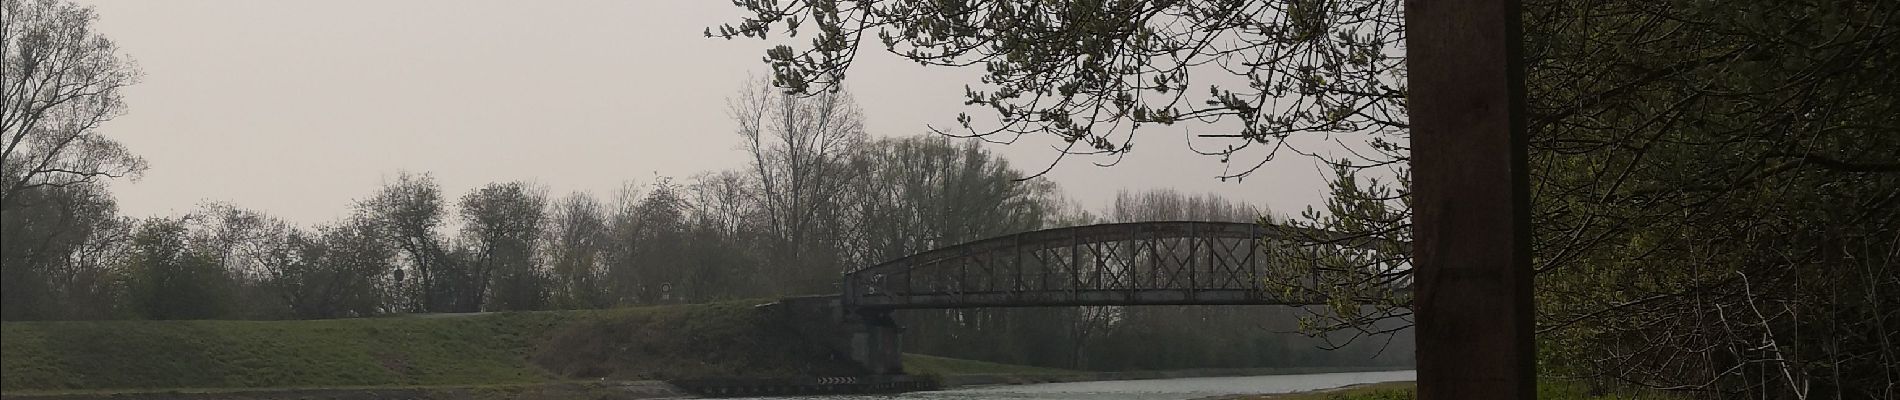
pixel 489 351
pixel 666 342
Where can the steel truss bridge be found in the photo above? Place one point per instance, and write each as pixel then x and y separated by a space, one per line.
pixel 1143 263
pixel 1128 264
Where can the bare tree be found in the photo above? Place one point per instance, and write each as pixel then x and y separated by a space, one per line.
pixel 61 81
pixel 408 213
pixel 170 277
pixel 244 244
pixel 502 222
pixel 722 200
pixel 57 247
pixel 576 251
pixel 798 147
pixel 915 194
pixel 335 271
pixel 722 245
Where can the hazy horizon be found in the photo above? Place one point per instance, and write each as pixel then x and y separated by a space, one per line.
pixel 296 109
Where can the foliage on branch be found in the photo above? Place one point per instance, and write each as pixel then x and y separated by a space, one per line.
pixel 1091 72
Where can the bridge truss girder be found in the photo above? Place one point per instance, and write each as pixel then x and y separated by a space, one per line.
pixel 1148 263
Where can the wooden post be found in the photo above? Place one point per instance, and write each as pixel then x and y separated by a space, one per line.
pixel 1471 200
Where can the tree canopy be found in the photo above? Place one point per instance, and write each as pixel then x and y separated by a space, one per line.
pixel 1092 72
pixel 62 82
pixel 1714 185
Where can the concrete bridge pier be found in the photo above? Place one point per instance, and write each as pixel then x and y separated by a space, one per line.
pixel 869 337
pixel 877 342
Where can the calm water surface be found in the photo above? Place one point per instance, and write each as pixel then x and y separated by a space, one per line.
pixel 1170 389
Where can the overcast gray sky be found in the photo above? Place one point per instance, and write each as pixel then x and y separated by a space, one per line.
pixel 297 108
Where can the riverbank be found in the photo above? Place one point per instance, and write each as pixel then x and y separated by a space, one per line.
pixel 1370 391
pixel 985 379
pixel 630 390
pixel 629 353
pixel 1547 389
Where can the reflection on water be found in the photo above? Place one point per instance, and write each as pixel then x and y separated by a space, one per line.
pixel 1171 389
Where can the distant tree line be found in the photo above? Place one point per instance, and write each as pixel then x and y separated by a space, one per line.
pixel 818 198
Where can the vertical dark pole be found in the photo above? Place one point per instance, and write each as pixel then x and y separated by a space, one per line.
pixel 1471 200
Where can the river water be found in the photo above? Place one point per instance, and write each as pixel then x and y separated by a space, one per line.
pixel 1158 389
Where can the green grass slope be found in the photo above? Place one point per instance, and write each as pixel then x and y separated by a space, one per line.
pixel 667 342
